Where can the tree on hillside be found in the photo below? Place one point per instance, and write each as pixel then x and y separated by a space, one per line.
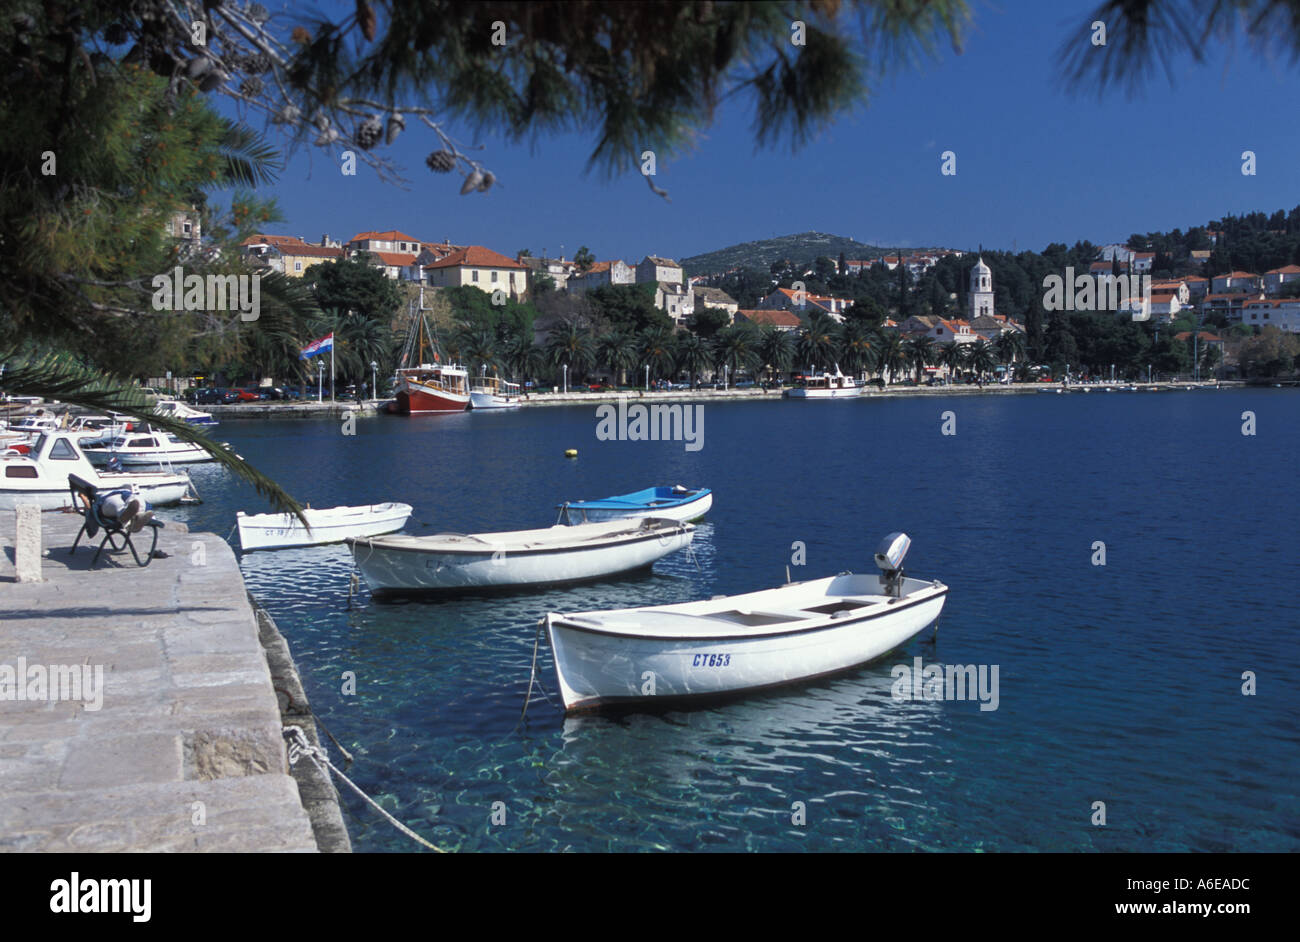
pixel 707 321
pixel 584 259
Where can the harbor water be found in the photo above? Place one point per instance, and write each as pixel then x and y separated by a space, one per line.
pixel 1120 684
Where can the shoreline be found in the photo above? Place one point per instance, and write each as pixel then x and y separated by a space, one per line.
pixel 537 400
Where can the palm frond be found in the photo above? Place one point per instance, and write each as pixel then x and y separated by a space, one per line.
pixel 57 376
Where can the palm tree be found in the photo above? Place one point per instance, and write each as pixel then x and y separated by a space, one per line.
pixel 818 343
pixel 657 351
pixel 953 355
pixel 521 356
pixel 570 346
pixel 982 358
pixel 617 350
pixel 893 358
pixel 919 350
pixel 1010 347
pixel 737 348
pixel 693 354
pixel 777 348
pixel 478 347
pixel 859 347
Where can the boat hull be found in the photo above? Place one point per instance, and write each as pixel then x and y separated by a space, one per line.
pixel 279 531
pixel 598 670
pixel 488 400
pixel 848 392
pixel 682 513
pixel 158 493
pixel 419 399
pixel 407 569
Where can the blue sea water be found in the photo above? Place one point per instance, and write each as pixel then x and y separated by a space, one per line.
pixel 1119 683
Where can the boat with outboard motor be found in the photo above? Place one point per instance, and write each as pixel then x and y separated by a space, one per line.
pixel 662 655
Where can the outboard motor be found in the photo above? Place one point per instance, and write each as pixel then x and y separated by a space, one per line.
pixel 889 557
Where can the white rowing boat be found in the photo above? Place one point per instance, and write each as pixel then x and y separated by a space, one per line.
pixel 661 655
pixel 512 559
pixel 328 525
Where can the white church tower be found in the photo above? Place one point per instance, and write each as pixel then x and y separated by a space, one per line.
pixel 981 291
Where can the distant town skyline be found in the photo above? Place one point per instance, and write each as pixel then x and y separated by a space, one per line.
pixel 1035 164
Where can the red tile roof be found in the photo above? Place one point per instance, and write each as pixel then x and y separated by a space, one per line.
pixel 292 245
pixel 398 259
pixel 476 256
pixel 775 318
pixel 1285 270
pixel 392 235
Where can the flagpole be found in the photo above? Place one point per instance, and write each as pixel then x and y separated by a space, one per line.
pixel 331 367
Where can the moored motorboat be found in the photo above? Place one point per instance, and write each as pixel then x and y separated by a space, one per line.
pixel 449 562
pixel 146 448
pixel 825 386
pixel 175 409
pixel 666 654
pixel 41 477
pixel 328 525
pixel 492 392
pixel 669 503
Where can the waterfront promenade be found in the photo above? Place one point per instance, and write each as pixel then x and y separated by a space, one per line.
pixel 185 752
pixel 315 409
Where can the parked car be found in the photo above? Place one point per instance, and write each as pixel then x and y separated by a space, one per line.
pixel 241 394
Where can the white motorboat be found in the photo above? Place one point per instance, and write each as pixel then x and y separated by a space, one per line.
pixel 492 392
pixel 175 409
pixel 667 503
pixel 328 525
pixel 826 386
pixel 666 654
pixel 41 477
pixel 512 559
pixel 146 448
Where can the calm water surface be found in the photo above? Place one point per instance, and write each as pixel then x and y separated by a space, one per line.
pixel 1119 683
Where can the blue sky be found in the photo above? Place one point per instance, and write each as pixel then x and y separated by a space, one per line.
pixel 1035 163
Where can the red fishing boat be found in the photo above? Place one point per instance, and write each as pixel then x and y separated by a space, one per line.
pixel 424 387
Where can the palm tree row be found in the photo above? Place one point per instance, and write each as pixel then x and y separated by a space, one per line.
pixel 762 352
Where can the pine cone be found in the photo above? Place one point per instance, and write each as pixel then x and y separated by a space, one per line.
pixel 287 115
pixel 256 64
pixel 258 13
pixel 472 182
pixel 489 178
pixel 396 125
pixel 369 132
pixel 251 87
pixel 441 161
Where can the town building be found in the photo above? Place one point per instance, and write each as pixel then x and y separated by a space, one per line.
pixel 479 267
pixel 289 255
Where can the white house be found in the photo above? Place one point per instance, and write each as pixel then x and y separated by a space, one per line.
pixel 1283 313
pixel 479 267
pixel 615 272
pixel 1234 281
pixel 1275 278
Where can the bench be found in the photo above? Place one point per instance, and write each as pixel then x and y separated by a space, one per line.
pixel 85 499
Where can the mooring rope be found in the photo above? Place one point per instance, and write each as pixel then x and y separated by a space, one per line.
pixel 300 745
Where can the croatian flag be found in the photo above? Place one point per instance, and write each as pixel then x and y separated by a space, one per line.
pixel 325 344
